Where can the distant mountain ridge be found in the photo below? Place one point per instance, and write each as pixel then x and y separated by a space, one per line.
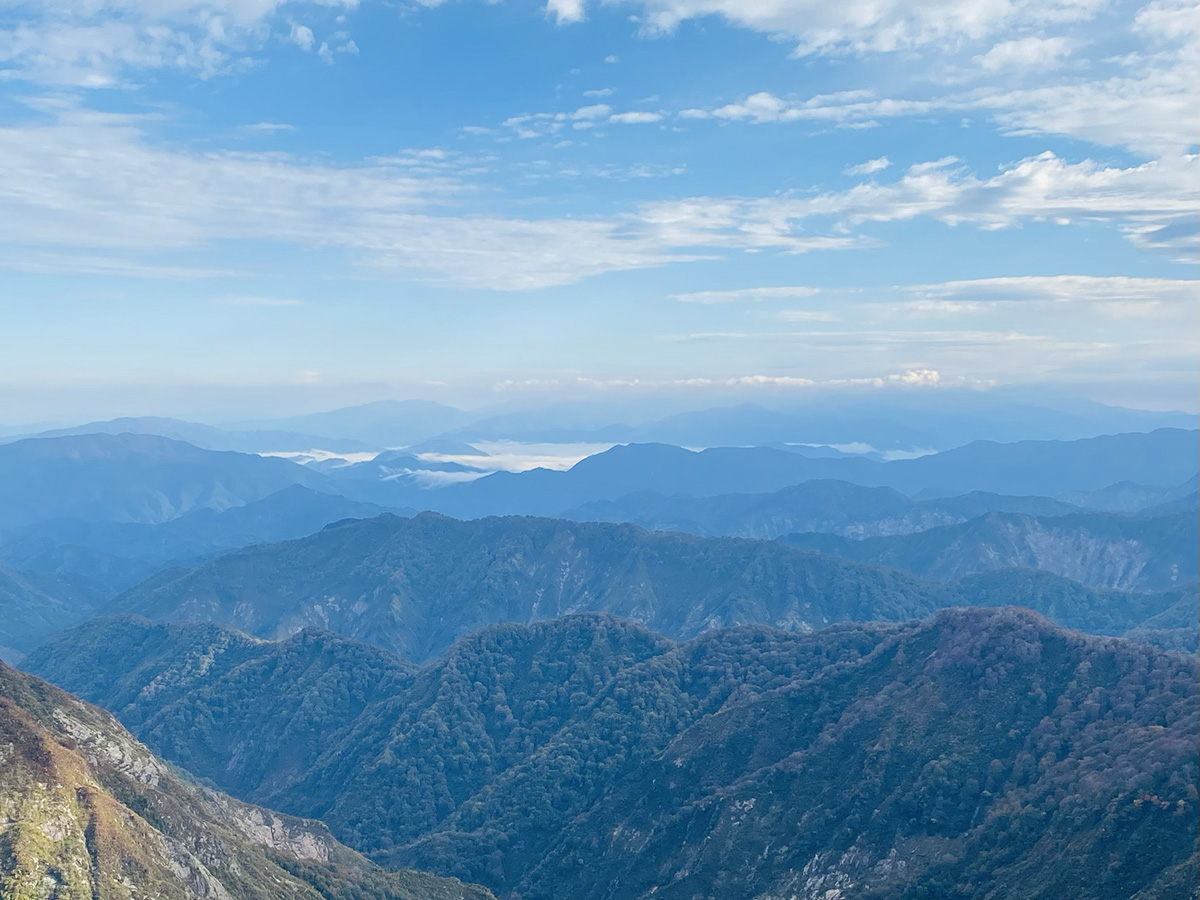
pixel 132 478
pixel 1132 498
pixel 833 507
pixel 1096 549
pixel 36 605
pixel 134 550
pixel 206 436
pixel 965 756
pixel 56 573
pixel 414 586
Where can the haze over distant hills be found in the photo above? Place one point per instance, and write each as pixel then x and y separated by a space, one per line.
pixel 119 554
pixel 836 507
pixel 145 478
pixel 1046 468
pixel 904 423
pixel 941 422
pixel 587 757
pixel 132 478
pixel 384 423
pixel 207 437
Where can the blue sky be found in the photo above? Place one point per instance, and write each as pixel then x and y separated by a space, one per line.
pixel 256 206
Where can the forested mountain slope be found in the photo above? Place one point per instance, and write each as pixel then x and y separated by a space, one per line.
pixel 965 756
pixel 414 586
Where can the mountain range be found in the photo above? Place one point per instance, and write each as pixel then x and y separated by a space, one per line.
pixel 88 812
pixel 1042 468
pixel 577 707
pixel 143 478
pixel 415 585
pixel 965 756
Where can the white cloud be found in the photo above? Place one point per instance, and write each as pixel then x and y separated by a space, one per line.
pixel 1025 53
pixel 592 113
pixel 635 118
pixel 566 12
pixel 742 294
pixel 612 60
pixel 870 167
pixel 599 92
pixel 1169 20
pixel 1156 113
pixel 302 37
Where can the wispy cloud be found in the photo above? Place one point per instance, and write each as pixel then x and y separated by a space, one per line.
pixel 856 26
pixel 742 294
pixel 81 182
pixel 1065 289
pixel 266 128
pixel 97 45
pixel 909 378
pixel 870 167
pixel 1038 52
pixel 261 301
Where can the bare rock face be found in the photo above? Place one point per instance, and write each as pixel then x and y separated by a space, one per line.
pixel 87 812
